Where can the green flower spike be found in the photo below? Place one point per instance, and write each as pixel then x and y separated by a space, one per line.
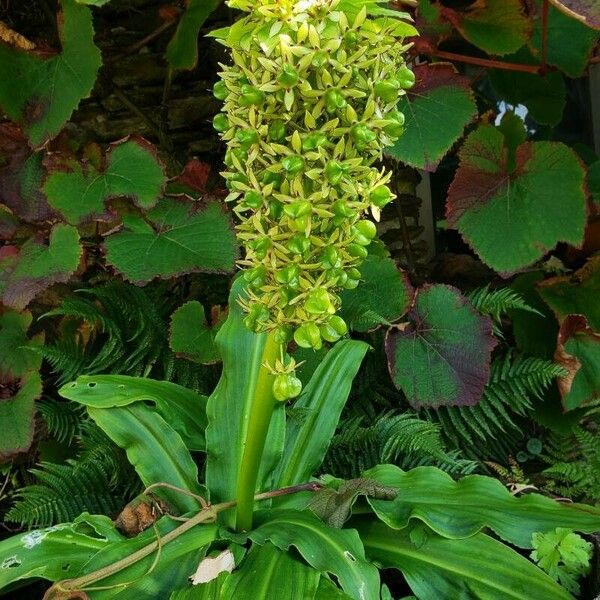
pixel 309 104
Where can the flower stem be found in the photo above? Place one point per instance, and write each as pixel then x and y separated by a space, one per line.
pixel 259 419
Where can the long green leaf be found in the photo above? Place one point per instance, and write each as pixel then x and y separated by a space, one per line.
pixel 155 576
pixel 459 509
pixel 267 572
pixel 476 568
pixel 229 408
pixel 336 551
pixel 181 408
pixel 156 451
pixel 54 553
pixel 319 409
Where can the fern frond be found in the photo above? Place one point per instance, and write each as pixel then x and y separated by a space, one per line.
pixel 492 428
pixel 64 491
pixel 63 419
pixel 497 303
pixel 403 439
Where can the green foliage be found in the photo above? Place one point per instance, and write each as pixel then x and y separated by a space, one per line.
pixel 98 480
pixel 28 271
pixel 41 92
pixel 442 357
pixel 382 296
pixel 190 336
pixel 574 465
pixel 182 51
pixel 401 439
pixel 502 206
pixel 437 111
pixel 493 427
pixel 184 237
pixel 63 420
pixel 564 555
pixel 130 169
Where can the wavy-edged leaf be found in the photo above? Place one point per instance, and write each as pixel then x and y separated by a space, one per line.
pixel 336 551
pixel 21 177
pixel 437 110
pixel 586 11
pixel 230 406
pixel 28 271
pixel 40 92
pixel 265 571
pixel 319 409
pixel 442 356
pixel 155 450
pixel 578 350
pixel 496 26
pixel 182 51
pixel 569 42
pixel 54 553
pixel 16 356
pixel 180 407
pixel 178 236
pixel 478 568
pixel 511 217
pixel 191 336
pixel 17 409
pixel 130 169
pixel 460 509
pixel 145 580
pixel 575 294
pixel 382 297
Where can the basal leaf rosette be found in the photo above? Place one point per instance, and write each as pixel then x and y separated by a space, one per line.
pixel 310 102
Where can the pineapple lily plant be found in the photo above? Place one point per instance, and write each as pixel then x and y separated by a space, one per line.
pixel 309 103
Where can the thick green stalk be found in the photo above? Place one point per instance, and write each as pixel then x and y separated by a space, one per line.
pixel 259 418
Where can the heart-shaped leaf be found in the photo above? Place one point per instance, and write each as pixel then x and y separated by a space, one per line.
pixel 437 110
pixel 41 92
pixel 191 336
pixel 177 236
pixel 27 271
pixel 575 294
pixel 131 169
pixel 510 217
pixel 496 26
pixel 586 11
pixel 442 356
pixel 578 350
pixel 382 297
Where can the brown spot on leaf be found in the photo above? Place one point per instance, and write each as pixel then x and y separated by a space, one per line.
pixel 142 512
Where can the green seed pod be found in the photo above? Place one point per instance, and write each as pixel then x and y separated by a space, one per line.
pixel 310 103
pixel 286 386
pixel 221 123
pixel 220 91
pixel 406 77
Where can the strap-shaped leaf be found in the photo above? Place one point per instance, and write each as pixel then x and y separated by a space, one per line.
pixel 318 412
pixel 230 405
pixel 510 217
pixel 478 567
pixel 437 110
pixel 336 551
pixel 442 357
pixel 131 169
pixel 460 509
pixel 265 571
pixel 180 407
pixel 176 237
pixel 40 92
pixel 155 450
pixel 28 271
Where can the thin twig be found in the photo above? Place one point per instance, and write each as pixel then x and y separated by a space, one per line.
pixel 206 514
pixel 183 491
pixel 485 62
pixel 135 47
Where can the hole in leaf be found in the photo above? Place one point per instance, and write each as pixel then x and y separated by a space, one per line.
pixel 92 384
pixel 349 556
